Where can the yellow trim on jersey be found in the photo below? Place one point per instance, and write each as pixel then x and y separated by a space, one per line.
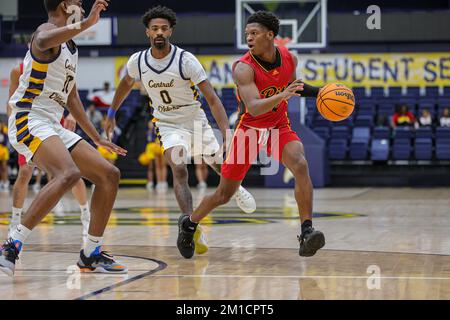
pixel 35 91
pixel 22 130
pixel 39 66
pixel 24 138
pixel 26 100
pixel 34 145
pixel 37 81
pixel 20 120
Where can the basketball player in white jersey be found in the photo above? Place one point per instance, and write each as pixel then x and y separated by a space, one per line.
pixel 46 87
pixel 20 188
pixel 170 76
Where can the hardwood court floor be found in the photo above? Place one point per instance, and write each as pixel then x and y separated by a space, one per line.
pixel 381 244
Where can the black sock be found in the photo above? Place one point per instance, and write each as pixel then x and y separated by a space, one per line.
pixel 306 225
pixel 189 225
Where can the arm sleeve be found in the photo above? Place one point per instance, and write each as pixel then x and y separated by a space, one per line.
pixel 309 91
pixel 133 66
pixel 192 68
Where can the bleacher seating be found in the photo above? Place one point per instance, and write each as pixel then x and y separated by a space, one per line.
pixel 362 137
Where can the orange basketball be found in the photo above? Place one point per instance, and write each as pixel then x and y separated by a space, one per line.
pixel 335 102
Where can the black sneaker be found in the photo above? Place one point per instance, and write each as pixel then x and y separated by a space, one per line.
pixel 310 241
pixel 100 263
pixel 185 241
pixel 9 253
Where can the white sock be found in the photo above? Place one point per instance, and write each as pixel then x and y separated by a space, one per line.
pixel 84 208
pixel 16 215
pixel 92 245
pixel 20 234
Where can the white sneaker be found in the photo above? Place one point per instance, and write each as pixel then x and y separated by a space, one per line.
pixel 5 186
pixel 245 200
pixel 149 186
pixel 162 186
pixel 287 176
pixel 202 185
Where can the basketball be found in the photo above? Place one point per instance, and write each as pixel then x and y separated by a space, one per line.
pixel 335 102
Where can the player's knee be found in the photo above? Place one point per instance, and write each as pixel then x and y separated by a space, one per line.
pixel 70 177
pixel 25 174
pixel 113 175
pixel 300 167
pixel 180 173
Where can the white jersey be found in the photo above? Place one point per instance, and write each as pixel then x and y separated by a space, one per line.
pixel 45 86
pixel 170 83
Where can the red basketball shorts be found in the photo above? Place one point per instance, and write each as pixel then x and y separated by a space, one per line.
pixel 248 142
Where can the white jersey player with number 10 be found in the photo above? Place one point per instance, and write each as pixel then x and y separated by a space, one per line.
pixel 171 77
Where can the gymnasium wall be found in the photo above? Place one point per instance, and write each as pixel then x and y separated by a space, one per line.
pixel 393 69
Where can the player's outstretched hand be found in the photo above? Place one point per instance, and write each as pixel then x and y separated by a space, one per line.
pixel 110 124
pixel 293 88
pixel 111 147
pixel 97 8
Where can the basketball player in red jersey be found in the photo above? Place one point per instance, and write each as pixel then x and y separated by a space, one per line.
pixel 20 188
pixel 266 80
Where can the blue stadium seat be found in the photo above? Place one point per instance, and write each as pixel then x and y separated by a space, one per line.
pixel 323 132
pixel 386 109
pixel 361 134
pixel 377 92
pixel 379 150
pixel 413 92
pixel 346 122
pixel 340 133
pixel 403 133
pixel 425 105
pixel 410 102
pixel 443 102
pixel 442 149
pixel 359 92
pixel 442 133
pixel 320 121
pixel 382 133
pixel 359 144
pixel 363 120
pixel 401 149
pixel 424 133
pixel 337 149
pixel 431 91
pixel 447 92
pixel 368 100
pixel 423 149
pixel 395 91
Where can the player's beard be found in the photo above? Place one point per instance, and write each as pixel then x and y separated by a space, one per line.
pixel 160 45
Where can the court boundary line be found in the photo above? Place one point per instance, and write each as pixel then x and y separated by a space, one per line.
pixel 369 276
pixel 161 266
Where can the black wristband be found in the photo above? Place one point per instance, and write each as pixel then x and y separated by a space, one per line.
pixel 309 91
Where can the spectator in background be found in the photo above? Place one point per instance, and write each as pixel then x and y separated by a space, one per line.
pixel 95 116
pixel 4 157
pixel 102 99
pixel 403 117
pixel 425 119
pixel 382 121
pixel 444 121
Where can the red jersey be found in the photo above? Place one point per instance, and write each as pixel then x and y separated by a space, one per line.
pixel 269 83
